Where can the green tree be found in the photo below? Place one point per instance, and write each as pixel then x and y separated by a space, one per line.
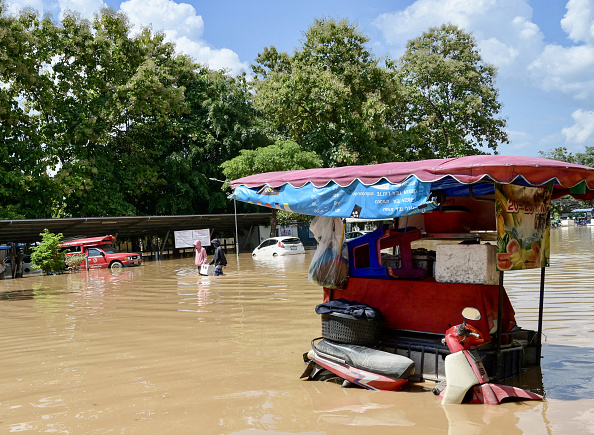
pixel 586 158
pixel 281 156
pixel 452 101
pixel 560 153
pixel 115 92
pixel 26 189
pixel 331 95
pixel 47 256
pixel 220 120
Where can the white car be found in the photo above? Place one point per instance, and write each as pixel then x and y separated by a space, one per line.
pixel 279 246
pixel 354 234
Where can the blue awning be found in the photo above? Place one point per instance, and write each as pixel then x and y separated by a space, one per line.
pixel 383 200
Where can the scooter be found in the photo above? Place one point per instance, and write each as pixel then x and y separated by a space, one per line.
pixel 466 377
pixel 362 366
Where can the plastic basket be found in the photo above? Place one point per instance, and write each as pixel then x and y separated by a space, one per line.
pixel 344 328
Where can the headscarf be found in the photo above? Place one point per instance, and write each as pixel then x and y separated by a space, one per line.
pixel 201 256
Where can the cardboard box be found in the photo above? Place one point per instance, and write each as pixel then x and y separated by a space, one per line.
pixel 466 264
pixel 207 269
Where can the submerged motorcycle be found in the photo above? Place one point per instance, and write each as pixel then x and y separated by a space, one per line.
pixel 466 378
pixel 353 364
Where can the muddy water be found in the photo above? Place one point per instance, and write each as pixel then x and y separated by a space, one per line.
pixel 158 349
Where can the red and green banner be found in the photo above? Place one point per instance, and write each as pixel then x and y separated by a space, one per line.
pixel 523 226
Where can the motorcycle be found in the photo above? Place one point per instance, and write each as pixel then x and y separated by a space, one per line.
pixel 357 365
pixel 467 380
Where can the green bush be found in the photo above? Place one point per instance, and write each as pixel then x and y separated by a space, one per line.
pixel 47 255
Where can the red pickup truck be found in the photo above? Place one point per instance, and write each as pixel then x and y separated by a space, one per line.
pixel 100 253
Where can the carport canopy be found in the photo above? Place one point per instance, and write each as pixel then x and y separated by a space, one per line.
pixel 28 230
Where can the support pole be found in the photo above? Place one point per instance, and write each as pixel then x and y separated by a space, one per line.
pixel 500 329
pixel 162 247
pixel 540 313
pixel 236 233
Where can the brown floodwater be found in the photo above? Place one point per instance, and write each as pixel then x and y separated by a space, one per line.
pixel 159 349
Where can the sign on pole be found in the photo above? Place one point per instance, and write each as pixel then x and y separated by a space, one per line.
pixel 185 239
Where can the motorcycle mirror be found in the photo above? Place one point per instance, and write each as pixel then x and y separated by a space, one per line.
pixel 471 313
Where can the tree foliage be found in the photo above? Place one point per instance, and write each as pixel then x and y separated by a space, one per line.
pixel 452 100
pixel 96 121
pixel 118 119
pixel 281 156
pixel 562 154
pixel 330 96
pixel 333 96
pixel 25 186
pixel 219 122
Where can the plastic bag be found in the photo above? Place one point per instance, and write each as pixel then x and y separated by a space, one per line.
pixel 330 264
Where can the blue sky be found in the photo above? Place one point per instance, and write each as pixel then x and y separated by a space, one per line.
pixel 543 49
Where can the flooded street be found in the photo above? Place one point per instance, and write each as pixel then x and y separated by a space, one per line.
pixel 159 349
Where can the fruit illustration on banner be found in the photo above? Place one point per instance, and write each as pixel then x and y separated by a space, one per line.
pixel 523 223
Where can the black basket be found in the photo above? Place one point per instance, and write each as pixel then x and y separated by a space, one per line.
pixel 344 328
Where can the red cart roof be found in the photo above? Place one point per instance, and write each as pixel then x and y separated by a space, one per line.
pixel 91 241
pixel 533 171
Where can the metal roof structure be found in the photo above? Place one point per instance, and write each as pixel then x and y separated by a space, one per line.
pixel 27 230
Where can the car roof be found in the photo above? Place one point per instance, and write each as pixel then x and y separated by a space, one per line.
pixel 282 238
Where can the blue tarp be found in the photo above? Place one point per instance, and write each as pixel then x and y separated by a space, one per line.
pixel 383 200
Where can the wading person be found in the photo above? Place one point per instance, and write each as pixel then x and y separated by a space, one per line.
pixel 219 259
pixel 201 257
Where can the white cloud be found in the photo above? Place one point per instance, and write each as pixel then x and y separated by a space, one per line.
pixel 508 38
pixel 578 20
pixel 503 29
pixel 520 141
pixel 13 8
pixel 175 19
pixel 582 131
pixel 180 23
pixel 215 58
pixel 565 69
pixel 183 26
pixel 504 24
pixel 86 8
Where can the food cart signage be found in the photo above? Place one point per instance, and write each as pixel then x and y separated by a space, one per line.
pixel 523 226
pixel 381 200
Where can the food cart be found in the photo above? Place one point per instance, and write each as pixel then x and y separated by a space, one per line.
pixel 455 228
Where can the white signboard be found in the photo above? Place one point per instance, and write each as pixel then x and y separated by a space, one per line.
pixel 185 239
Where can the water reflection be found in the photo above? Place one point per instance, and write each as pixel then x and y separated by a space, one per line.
pixel 161 349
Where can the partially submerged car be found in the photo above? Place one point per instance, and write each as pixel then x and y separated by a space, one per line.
pixel 279 246
pixel 27 265
pixel 354 234
pixel 100 253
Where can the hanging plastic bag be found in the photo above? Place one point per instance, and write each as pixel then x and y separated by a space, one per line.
pixel 330 264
